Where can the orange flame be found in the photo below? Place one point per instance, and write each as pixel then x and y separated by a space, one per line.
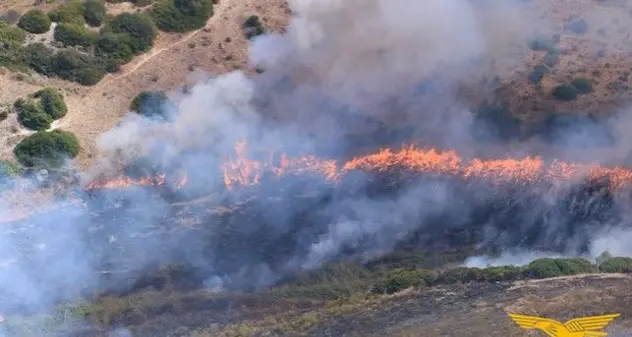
pixel 244 171
pixel 124 181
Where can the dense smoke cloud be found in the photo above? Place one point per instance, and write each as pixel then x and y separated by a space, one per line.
pixel 347 76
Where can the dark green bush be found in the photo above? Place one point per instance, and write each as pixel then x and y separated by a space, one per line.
pixel 616 265
pixel 564 92
pixel 35 21
pixel 39 58
pixel 252 27
pixel 139 29
pixel 153 104
pixel 70 12
pixel 582 85
pixel 543 268
pixel 579 27
pixel 10 34
pixel 574 266
pixel 12 57
pixel 52 102
pixel 181 15
pixel 77 67
pixel 538 73
pixel 31 116
pixel 74 35
pixel 147 99
pixel 94 12
pixel 114 48
pixel 47 149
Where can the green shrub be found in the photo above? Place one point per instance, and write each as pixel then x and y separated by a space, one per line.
pixel 501 273
pixel 114 48
pixel 564 92
pixel 538 73
pixel 10 34
pixel 400 279
pixel 181 15
pixel 582 85
pixel 52 102
pixel 12 57
pixel 47 149
pixel 543 268
pixel 140 31
pixel 94 12
pixel 616 265
pixel 35 21
pixel 74 35
pixel 39 58
pixel 148 102
pixel 579 27
pixel 252 27
pixel 77 67
pixel 31 115
pixel 70 12
pixel 574 266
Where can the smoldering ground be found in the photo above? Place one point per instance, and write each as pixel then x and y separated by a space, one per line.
pixel 347 77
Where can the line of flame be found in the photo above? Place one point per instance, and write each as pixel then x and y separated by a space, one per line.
pixel 243 171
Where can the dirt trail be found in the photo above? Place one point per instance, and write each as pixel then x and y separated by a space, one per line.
pixel 217 48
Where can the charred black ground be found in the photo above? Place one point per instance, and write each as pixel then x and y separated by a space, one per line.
pixel 260 235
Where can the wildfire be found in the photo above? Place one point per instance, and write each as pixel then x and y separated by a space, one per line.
pixel 244 171
pixel 125 181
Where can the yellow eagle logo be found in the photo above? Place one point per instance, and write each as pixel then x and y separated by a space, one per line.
pixel 577 327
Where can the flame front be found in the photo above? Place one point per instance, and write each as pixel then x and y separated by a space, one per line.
pixel 243 171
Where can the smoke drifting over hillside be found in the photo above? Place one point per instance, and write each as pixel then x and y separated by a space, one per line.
pixel 348 77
